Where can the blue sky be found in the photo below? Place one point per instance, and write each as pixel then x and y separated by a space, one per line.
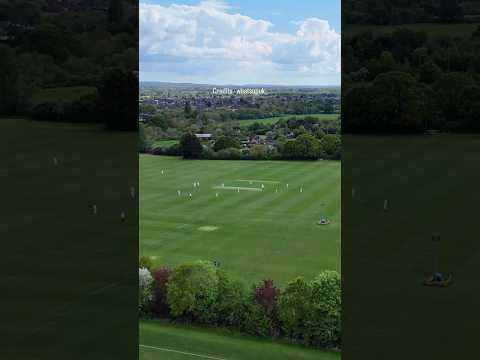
pixel 240 41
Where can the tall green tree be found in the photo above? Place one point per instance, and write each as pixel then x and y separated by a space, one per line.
pixel 190 146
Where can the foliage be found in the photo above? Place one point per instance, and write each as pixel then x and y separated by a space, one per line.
pixel 190 146
pixel 117 99
pixel 146 262
pixel 160 305
pixel 225 142
pixel 310 312
pixel 231 302
pixel 192 290
pixel 145 295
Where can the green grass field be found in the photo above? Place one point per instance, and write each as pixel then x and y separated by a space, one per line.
pixel 174 342
pixel 62 266
pixel 432 187
pixel 254 234
pixel 165 143
pixel 273 120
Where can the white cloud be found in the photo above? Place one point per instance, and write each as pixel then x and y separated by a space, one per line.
pixel 183 41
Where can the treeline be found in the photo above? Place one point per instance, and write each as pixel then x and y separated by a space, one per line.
pixel 411 81
pixel 306 146
pixel 394 12
pixel 56 45
pixel 304 312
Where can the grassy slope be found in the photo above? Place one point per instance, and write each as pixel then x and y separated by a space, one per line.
pixel 63 267
pixel 216 344
pixel 260 234
pixel 431 183
pixel 273 120
pixel 165 143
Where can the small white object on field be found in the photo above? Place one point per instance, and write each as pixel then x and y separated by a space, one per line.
pixel 162 172
pixel 55 161
pixel 198 183
pixel 190 194
pixel 287 186
pixel 385 205
pixel 179 192
pixel 301 190
pixel 122 216
pixel 132 192
pixel 216 194
pixel 194 184
pixel 263 186
pixel 94 208
pixel 238 189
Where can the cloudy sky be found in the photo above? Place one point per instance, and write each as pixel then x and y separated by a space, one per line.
pixel 280 42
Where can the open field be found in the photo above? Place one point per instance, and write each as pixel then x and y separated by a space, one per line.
pixel 258 233
pixel 165 143
pixel 273 120
pixel 459 30
pixel 160 341
pixel 432 186
pixel 62 266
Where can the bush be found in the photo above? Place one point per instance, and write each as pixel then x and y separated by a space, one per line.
pixel 266 296
pixel 225 142
pixel 310 312
pixel 145 295
pixel 325 323
pixel 256 322
pixel 160 305
pixel 192 290
pixel 231 302
pixel 146 262
pixel 229 154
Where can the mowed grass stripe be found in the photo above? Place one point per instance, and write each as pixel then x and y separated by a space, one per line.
pixel 250 227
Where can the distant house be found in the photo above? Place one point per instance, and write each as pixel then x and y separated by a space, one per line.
pixel 258 140
pixel 204 136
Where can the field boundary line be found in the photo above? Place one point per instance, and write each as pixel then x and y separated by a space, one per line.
pixel 180 352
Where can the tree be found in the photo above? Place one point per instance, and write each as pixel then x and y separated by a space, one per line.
pixel 115 11
pixel 458 98
pixel 325 321
pixel 192 290
pixel 266 296
pixel 231 303
pixel 8 79
pixel 226 142
pixel 190 146
pixel 307 147
pixel 160 305
pixel 331 146
pixel 118 93
pixel 145 297
pixel 295 309
pixel 400 102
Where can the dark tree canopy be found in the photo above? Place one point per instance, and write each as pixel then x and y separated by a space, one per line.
pixel 191 147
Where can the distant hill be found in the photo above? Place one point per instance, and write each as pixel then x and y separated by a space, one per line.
pixel 192 86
